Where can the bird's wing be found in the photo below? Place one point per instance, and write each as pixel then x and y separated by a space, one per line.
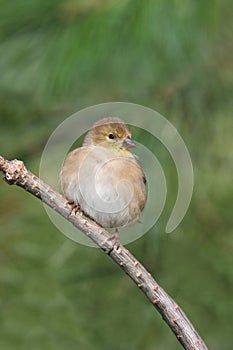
pixel 69 172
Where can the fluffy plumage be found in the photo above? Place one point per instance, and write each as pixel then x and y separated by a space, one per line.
pixel 104 177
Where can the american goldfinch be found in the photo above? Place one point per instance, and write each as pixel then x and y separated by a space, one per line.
pixel 103 177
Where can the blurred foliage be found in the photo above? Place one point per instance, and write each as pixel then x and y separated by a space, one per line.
pixel 59 56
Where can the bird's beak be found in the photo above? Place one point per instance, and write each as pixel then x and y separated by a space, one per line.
pixel 128 143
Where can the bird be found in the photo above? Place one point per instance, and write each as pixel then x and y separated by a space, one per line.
pixel 104 178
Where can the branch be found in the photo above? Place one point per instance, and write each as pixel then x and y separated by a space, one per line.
pixel 15 173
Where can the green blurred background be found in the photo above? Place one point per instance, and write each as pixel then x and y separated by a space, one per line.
pixel 58 57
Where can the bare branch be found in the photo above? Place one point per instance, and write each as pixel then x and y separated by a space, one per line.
pixel 16 173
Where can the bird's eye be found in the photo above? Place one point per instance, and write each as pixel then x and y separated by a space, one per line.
pixel 111 136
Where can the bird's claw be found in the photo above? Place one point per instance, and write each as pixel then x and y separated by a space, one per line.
pixel 74 207
pixel 114 239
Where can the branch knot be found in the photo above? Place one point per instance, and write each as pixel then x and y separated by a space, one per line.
pixel 13 170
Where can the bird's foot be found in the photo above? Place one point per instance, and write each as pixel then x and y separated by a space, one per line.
pixel 114 239
pixel 74 207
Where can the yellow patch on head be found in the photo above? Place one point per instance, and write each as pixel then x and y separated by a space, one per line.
pixel 110 131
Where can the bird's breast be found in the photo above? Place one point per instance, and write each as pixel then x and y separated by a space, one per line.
pixel 109 189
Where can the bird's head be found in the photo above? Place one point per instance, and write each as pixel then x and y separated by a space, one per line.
pixel 111 133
